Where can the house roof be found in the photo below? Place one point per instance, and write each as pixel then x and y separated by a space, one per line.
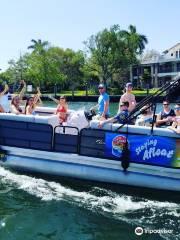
pixel 166 51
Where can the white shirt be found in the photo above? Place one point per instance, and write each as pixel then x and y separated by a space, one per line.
pixel 5 102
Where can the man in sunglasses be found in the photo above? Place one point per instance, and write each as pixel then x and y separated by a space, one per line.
pixel 165 117
pixel 103 103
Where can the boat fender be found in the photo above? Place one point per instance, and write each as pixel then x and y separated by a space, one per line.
pixel 125 157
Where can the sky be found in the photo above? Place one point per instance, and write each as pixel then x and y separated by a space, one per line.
pixel 68 23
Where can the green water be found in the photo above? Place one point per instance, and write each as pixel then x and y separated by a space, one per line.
pixel 37 207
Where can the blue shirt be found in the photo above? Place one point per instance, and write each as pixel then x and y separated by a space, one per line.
pixel 101 102
pixel 122 117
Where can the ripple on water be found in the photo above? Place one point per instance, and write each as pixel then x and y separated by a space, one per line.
pixel 135 211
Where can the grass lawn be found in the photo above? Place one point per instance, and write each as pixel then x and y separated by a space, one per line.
pixel 83 93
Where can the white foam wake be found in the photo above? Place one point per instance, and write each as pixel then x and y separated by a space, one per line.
pixel 109 202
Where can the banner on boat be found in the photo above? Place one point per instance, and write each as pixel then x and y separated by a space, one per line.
pixel 147 149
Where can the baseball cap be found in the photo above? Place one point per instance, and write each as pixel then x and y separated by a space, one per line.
pixel 129 84
pixel 101 85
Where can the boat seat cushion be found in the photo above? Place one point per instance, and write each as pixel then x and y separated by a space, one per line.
pixel 52 120
pixel 135 129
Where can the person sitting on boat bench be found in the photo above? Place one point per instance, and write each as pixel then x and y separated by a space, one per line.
pixel 121 117
pixel 5 98
pixel 62 108
pixel 165 117
pixel 103 103
pixel 16 100
pixel 31 103
pixel 176 120
pixel 145 118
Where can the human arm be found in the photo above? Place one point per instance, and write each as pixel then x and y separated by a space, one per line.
pixel 6 88
pixel 110 120
pixel 37 96
pixel 160 121
pixel 106 106
pixel 21 94
pixel 54 99
pixel 14 110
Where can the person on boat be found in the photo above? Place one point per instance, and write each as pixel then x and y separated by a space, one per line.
pixel 145 118
pixel 176 120
pixel 121 117
pixel 103 103
pixel 5 98
pixel 165 117
pixel 62 108
pixel 16 100
pixel 129 97
pixel 31 103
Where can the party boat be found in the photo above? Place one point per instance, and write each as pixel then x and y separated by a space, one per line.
pixel 131 155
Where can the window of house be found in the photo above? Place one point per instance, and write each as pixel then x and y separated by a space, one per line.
pixel 176 54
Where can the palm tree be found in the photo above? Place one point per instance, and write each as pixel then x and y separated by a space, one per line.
pixel 134 40
pixel 38 46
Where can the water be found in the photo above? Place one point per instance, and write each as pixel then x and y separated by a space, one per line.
pixel 37 207
pixel 88 105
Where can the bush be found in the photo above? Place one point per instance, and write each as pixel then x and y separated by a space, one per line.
pixel 115 91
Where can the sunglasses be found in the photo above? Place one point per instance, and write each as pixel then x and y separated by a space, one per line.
pixel 100 88
pixel 165 104
pixel 177 108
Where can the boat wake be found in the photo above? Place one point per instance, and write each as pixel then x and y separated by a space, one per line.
pixel 132 210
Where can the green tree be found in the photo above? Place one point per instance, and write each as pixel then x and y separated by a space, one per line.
pixel 40 48
pixel 146 79
pixel 108 53
pixel 136 42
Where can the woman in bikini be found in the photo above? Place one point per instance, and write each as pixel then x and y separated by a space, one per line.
pixel 62 108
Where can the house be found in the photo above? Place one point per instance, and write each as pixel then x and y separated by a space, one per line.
pixel 162 68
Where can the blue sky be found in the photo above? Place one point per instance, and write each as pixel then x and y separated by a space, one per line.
pixel 67 23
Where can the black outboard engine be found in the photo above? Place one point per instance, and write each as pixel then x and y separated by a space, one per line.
pixel 89 114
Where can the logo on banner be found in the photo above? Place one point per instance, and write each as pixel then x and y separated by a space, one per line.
pixel 118 144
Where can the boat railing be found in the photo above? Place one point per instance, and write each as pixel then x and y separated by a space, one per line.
pixel 151 101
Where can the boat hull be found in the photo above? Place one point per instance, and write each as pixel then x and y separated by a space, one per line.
pixel 89 168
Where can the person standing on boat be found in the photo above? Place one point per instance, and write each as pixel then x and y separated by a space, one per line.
pixel 121 117
pixel 165 117
pixel 103 103
pixel 176 120
pixel 16 100
pixel 128 97
pixel 5 98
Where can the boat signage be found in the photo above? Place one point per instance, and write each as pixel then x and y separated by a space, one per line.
pixel 150 149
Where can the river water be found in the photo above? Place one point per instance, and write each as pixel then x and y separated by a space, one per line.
pixel 37 207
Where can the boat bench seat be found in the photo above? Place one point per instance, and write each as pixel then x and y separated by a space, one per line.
pixel 33 132
pixel 135 129
pixel 52 120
